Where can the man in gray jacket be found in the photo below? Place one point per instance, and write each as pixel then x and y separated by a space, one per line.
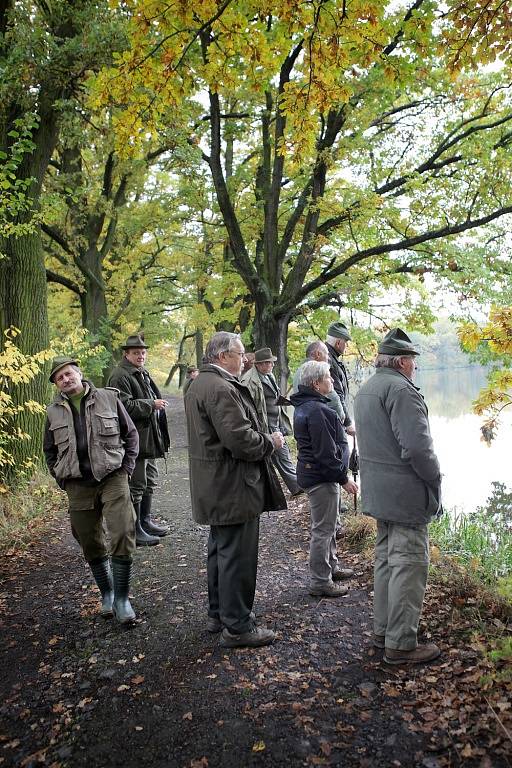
pixel 401 488
pixel 90 446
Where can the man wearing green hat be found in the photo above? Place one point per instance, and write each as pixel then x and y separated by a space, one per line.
pixel 90 445
pixel 401 488
pixel 336 342
pixel 143 401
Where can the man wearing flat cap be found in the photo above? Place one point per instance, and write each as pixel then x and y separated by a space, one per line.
pixel 401 488
pixel 336 341
pixel 90 446
pixel 264 390
pixel 143 401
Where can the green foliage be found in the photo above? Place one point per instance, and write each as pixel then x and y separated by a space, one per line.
pixel 481 540
pixel 14 197
pixel 492 344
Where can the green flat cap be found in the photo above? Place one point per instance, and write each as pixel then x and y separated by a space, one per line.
pixel 339 331
pixel 59 362
pixel 136 341
pixel 397 342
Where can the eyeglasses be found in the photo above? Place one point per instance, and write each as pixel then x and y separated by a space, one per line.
pixel 234 352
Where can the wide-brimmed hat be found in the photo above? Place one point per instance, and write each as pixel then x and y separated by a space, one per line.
pixel 135 342
pixel 59 362
pixel 264 355
pixel 339 330
pixel 397 342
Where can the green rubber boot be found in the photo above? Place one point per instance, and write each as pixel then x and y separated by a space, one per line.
pixel 122 571
pixel 103 577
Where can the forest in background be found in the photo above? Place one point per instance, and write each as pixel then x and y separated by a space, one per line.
pixel 256 166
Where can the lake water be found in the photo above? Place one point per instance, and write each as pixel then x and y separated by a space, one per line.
pixel 469 465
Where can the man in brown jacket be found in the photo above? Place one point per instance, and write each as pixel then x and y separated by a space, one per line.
pixel 232 482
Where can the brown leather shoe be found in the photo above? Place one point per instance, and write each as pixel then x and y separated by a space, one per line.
pixel 422 654
pixel 340 574
pixel 329 590
pixel 379 641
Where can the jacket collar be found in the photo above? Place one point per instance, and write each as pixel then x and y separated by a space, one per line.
pixel 393 372
pixel 130 367
pixel 60 398
pixel 306 394
pixel 210 367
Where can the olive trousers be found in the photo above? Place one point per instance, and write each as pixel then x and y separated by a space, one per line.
pixel 108 502
pixel 400 578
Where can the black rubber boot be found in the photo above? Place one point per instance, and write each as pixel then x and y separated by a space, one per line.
pixel 103 577
pixel 143 539
pixel 147 524
pixel 122 571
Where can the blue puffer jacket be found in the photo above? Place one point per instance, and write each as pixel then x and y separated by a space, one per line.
pixel 321 440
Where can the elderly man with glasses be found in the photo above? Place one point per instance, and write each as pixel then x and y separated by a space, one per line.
pixel 232 482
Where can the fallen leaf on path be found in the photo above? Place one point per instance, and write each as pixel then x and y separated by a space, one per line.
pixel 259 746
pixel 138 679
pixel 187 716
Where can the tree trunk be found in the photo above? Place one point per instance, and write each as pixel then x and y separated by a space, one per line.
pixel 271 331
pixel 23 306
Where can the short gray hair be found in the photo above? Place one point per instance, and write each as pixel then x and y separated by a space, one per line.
pixel 389 361
pixel 313 348
pixel 219 343
pixel 312 371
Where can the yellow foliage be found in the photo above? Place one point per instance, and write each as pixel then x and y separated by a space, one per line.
pixel 497 334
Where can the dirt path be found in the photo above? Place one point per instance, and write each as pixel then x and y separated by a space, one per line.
pixel 79 691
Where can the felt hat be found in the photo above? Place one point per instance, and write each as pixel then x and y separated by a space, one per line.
pixel 339 331
pixel 264 355
pixel 59 362
pixel 397 342
pixel 136 341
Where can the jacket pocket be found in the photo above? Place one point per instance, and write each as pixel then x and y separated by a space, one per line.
pixel 60 434
pixel 252 474
pixel 109 432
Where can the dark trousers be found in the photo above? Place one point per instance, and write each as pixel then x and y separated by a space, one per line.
pixel 232 568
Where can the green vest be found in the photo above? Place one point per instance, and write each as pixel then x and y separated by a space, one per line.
pixel 105 449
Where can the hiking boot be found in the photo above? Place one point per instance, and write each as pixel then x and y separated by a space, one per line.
pixel 422 654
pixel 379 641
pixel 213 625
pixel 329 590
pixel 342 573
pixel 255 638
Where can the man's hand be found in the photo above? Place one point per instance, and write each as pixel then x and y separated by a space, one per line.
pixel 350 430
pixel 277 439
pixel 159 404
pixel 350 487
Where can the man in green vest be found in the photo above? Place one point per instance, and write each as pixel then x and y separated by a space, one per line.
pixel 401 488
pixel 90 445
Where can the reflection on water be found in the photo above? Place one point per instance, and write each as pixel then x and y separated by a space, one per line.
pixel 450 392
pixel 469 466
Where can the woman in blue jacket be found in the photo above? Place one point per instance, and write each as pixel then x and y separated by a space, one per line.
pixel 321 469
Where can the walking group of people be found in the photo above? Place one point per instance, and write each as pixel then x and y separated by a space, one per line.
pixel 100 445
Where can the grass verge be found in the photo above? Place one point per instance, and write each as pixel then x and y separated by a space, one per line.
pixel 27 511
